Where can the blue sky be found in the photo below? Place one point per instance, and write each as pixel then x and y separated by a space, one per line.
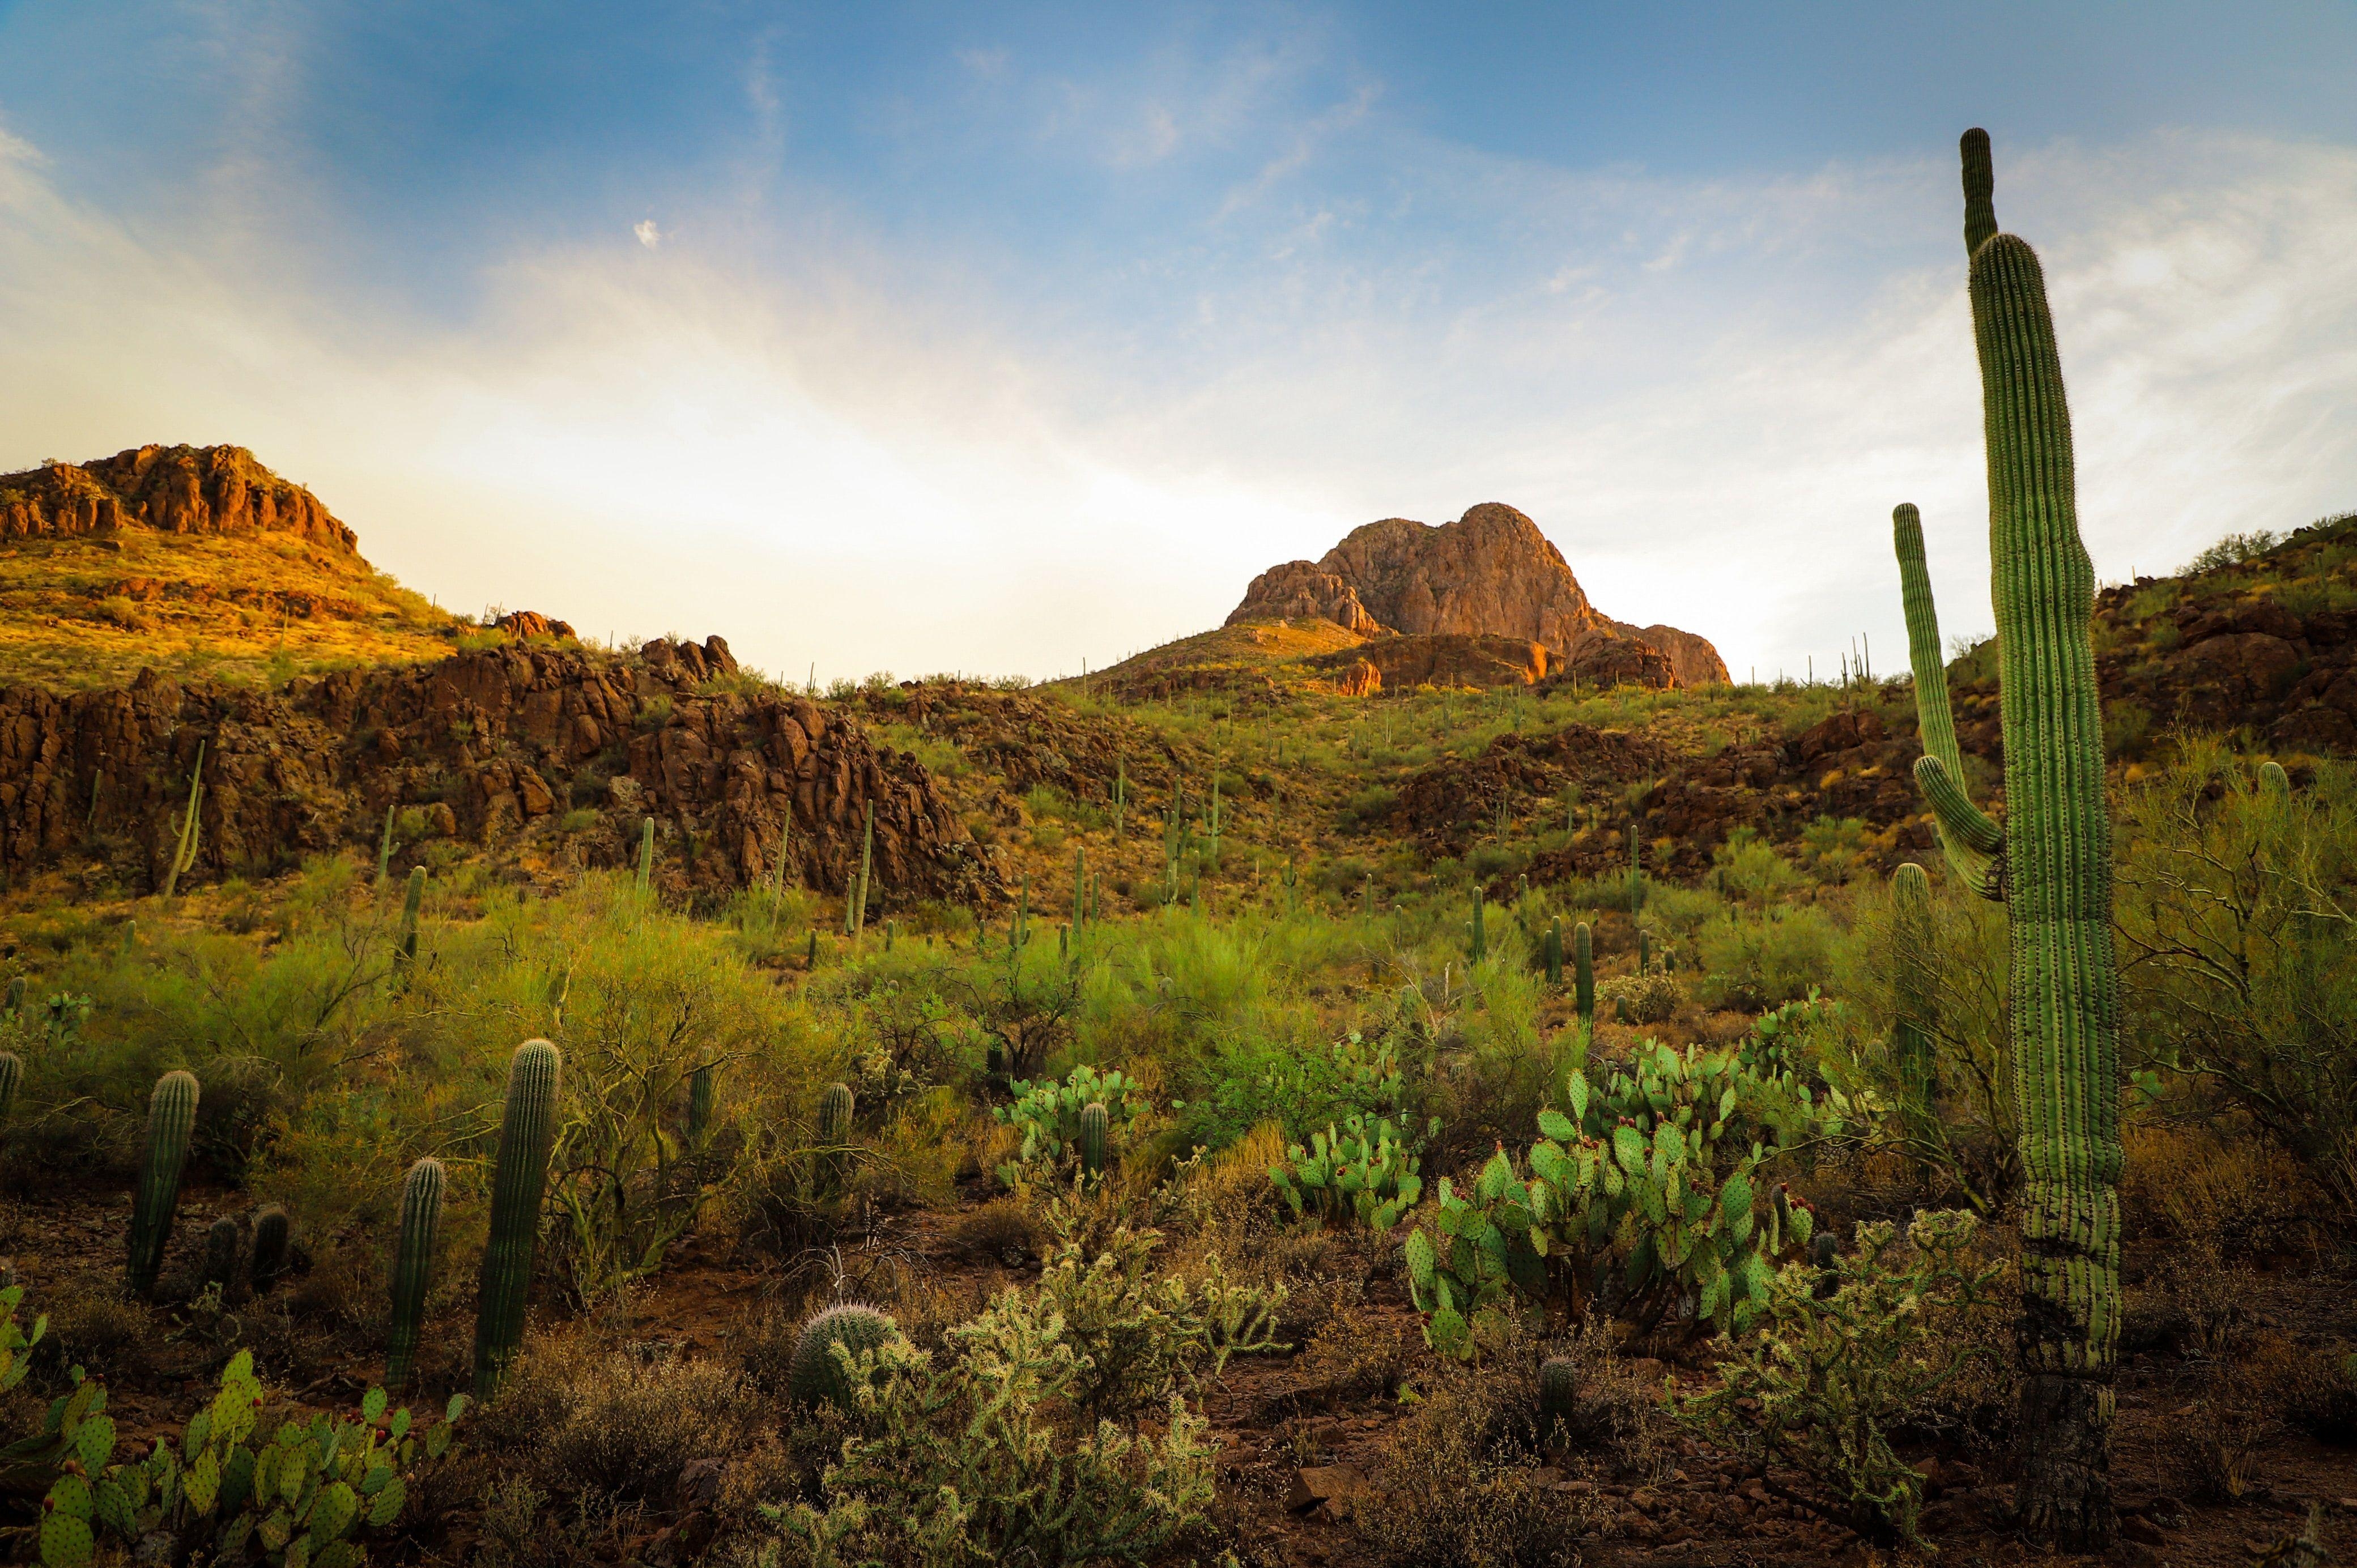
pixel 924 336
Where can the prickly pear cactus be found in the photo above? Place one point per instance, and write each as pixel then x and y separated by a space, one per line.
pixel 817 1374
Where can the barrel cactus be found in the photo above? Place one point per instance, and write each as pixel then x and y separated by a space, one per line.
pixel 527 1130
pixel 2051 864
pixel 413 1266
pixel 1094 1122
pixel 273 1237
pixel 171 1121
pixel 815 1375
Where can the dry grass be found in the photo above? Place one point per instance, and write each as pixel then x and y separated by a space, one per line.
pixel 82 614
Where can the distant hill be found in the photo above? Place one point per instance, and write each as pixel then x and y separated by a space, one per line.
pixel 196 562
pixel 1489 575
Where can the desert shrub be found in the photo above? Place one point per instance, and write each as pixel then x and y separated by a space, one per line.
pixel 1759 962
pixel 1749 867
pixel 628 1427
pixel 1146 1339
pixel 2216 1440
pixel 1824 1381
pixel 2313 1387
pixel 975 1460
pixel 1466 1482
pixel 2233 549
pixel 1833 849
pixel 2237 1199
pixel 1652 998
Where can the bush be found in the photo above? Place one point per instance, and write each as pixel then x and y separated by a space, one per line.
pixel 1821 1384
pixel 1642 998
pixel 1763 961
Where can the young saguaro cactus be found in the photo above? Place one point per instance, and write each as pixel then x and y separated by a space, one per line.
pixel 272 1235
pixel 646 854
pixel 413 1266
pixel 1481 948
pixel 1916 1009
pixel 527 1130
pixel 1636 871
pixel 171 1121
pixel 405 952
pixel 1094 1124
pixel 184 846
pixel 2275 780
pixel 2051 864
pixel 221 1256
pixel 699 1103
pixel 1552 952
pixel 1583 961
pixel 12 1074
pixel 834 1110
pixel 1558 1391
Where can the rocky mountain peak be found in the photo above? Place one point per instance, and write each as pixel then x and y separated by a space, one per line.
pixel 1491 573
pixel 170 489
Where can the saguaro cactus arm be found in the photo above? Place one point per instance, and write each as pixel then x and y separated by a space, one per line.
pixel 1972 840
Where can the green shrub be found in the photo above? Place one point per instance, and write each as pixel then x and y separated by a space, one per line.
pixel 1829 1374
pixel 1762 961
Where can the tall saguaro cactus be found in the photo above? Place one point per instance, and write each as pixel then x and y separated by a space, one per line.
pixel 2051 864
pixel 184 845
pixel 171 1122
pixel 1915 1015
pixel 527 1130
pixel 413 1266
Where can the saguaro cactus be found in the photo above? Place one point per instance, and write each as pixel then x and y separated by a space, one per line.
pixel 272 1237
pixel 1636 872
pixel 866 864
pixel 2051 864
pixel 527 1130
pixel 1481 948
pixel 646 854
pixel 171 1121
pixel 699 1103
pixel 2275 780
pixel 406 951
pixel 834 1109
pixel 221 1256
pixel 1553 951
pixel 1093 1127
pixel 12 1074
pixel 1583 960
pixel 413 1266
pixel 1915 1015
pixel 384 846
pixel 1080 887
pixel 184 847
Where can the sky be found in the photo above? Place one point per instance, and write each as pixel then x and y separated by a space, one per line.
pixel 923 337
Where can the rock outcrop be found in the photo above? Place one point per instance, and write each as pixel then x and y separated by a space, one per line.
pixel 1491 573
pixel 171 490
pixel 537 748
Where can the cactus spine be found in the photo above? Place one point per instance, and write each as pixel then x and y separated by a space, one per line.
pixel 2051 864
pixel 1583 961
pixel 1553 951
pixel 646 854
pixel 1092 1138
pixel 834 1109
pixel 413 1266
pixel 171 1121
pixel 405 952
pixel 272 1236
pixel 527 1130
pixel 815 1375
pixel 1481 949
pixel 184 848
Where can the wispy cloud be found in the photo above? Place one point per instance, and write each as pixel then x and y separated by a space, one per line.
pixel 828 447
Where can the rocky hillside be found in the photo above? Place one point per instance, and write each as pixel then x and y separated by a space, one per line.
pixel 548 755
pixel 1491 573
pixel 196 562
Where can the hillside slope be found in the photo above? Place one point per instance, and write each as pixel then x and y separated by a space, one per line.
pixel 196 562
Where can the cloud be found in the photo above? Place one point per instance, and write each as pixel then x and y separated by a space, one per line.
pixel 832 445
pixel 649 235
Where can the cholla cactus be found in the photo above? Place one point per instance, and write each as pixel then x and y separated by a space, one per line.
pixel 1092 1138
pixel 527 1133
pixel 273 1236
pixel 817 1374
pixel 171 1121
